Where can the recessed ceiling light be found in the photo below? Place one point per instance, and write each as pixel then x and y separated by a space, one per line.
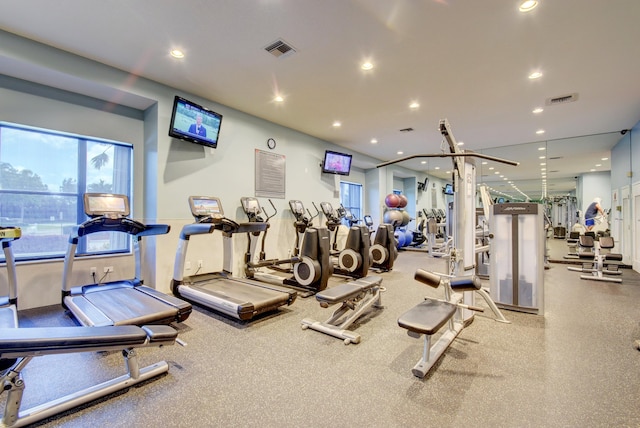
pixel 448 172
pixel 366 66
pixel 542 157
pixel 278 98
pixel 542 148
pixel 491 168
pixel 460 143
pixel 176 53
pixel 535 75
pixel 337 124
pixel 604 159
pixel 437 167
pixel 497 172
pixel 528 5
pixel 374 141
pixel 543 169
pixel 484 162
pixel 540 131
pixel 400 153
pixel 592 170
pixel 598 164
pixel 543 163
pixel 423 162
pixel 538 110
pixel 414 105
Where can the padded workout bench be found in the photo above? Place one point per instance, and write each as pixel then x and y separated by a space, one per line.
pixel 356 298
pixel 18 346
pixel 431 315
pixel 601 260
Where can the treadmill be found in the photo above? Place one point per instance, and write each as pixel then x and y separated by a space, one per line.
pixel 123 302
pixel 239 298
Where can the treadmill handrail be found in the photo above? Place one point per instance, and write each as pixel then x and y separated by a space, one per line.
pixel 196 229
pixel 124 225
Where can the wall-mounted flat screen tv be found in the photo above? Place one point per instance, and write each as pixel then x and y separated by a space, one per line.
pixel 448 189
pixel 336 163
pixel 194 123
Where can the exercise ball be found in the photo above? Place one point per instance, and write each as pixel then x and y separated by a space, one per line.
pixel 408 237
pixel 392 200
pixel 400 239
pixel 392 217
pixel 406 218
pixel 403 201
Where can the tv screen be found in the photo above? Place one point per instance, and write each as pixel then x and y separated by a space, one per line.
pixel 448 189
pixel 336 163
pixel 194 123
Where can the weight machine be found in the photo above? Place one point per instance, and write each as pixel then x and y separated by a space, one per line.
pixel 461 266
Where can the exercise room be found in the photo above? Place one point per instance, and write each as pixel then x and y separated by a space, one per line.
pixel 299 213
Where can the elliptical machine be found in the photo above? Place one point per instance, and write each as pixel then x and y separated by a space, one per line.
pixel 311 269
pixel 354 260
pixel 384 250
pixel 302 222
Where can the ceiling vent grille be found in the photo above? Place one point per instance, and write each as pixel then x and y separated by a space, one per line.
pixel 406 130
pixel 280 48
pixel 563 99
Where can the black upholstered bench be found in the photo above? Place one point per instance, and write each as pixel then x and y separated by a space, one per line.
pixel 356 297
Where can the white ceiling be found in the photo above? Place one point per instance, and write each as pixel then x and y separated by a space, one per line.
pixel 466 61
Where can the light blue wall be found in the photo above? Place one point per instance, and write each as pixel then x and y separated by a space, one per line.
pixel 166 171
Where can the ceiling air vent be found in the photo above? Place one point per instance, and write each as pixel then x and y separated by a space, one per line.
pixel 556 157
pixel 280 48
pixel 563 99
pixel 406 130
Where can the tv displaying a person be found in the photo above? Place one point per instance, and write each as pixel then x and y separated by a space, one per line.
pixel 194 123
pixel 198 128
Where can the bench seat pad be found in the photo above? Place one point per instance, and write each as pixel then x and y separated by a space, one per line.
pixel 427 317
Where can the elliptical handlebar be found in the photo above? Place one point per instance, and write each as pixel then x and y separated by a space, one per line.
pixel 311 217
pixel 275 211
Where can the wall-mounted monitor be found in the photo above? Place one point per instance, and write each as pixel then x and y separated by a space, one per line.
pixel 448 189
pixel 336 163
pixel 500 201
pixel 194 123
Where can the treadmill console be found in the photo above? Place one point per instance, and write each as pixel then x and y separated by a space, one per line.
pixel 206 207
pixel 106 205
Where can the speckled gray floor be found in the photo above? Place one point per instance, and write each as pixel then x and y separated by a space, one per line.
pixel 574 367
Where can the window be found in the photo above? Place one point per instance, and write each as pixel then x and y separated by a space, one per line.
pixel 351 200
pixel 43 176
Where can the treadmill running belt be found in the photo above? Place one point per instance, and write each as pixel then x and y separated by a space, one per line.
pixel 129 306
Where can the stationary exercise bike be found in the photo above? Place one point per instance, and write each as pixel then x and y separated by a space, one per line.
pixel 354 260
pixel 311 269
